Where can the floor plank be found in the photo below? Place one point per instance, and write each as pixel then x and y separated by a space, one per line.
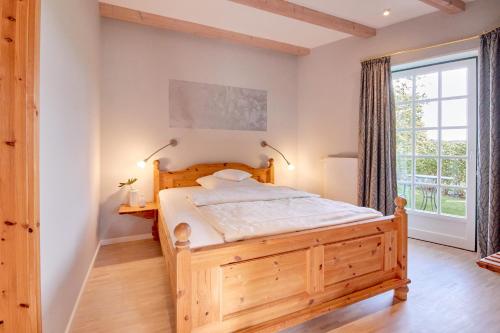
pixel 127 292
pixel 126 252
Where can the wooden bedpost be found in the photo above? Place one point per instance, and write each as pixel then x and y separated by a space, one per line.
pixel 271 171
pixel 156 180
pixel 183 278
pixel 400 213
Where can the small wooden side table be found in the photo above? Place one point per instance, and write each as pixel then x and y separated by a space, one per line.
pixel 150 212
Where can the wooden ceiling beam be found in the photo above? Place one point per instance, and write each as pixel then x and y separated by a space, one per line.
pixel 447 6
pixel 301 13
pixel 135 16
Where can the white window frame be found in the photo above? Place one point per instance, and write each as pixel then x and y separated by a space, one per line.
pixel 429 218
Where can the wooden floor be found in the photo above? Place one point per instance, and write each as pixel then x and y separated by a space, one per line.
pixel 127 292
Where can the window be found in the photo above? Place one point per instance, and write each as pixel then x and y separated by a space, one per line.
pixel 435 139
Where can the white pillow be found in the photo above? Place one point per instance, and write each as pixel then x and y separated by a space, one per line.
pixel 232 174
pixel 211 182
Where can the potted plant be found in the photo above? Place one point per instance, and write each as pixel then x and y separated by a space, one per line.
pixel 133 194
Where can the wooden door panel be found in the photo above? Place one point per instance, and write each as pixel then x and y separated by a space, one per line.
pixel 19 194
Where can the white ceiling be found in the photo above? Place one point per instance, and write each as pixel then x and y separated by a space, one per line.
pixel 231 16
pixel 369 12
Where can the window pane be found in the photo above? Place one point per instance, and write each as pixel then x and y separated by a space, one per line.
pixel 404 166
pixel 454 82
pixel 426 114
pixel 454 142
pixel 404 118
pixel 426 142
pixel 426 170
pixel 404 142
pixel 404 190
pixel 454 112
pixel 454 172
pixel 453 201
pixel 403 89
pixel 426 198
pixel 426 86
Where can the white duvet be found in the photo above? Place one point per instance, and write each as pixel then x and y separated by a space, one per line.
pixel 259 210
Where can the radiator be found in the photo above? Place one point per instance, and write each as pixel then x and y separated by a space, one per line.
pixel 341 179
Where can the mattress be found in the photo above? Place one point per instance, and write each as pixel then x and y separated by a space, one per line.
pixel 176 208
pixel 242 212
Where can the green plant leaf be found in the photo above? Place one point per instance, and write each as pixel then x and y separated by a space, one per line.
pixel 129 182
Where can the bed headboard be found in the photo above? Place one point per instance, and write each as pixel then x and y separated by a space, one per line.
pixel 187 177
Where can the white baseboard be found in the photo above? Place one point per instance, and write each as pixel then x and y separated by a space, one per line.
pixel 125 239
pixel 82 288
pixel 440 238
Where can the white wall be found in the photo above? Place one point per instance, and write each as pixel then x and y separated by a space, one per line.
pixel 137 63
pixel 329 80
pixel 69 152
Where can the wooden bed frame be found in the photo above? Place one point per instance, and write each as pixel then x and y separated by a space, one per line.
pixel 269 283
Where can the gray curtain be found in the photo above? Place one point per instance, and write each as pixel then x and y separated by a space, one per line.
pixel 488 196
pixel 377 142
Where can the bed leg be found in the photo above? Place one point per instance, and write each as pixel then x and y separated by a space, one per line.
pixel 154 227
pixel 402 220
pixel 401 293
pixel 183 278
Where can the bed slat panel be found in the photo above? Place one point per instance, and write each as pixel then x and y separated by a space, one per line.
pixel 390 254
pixel 353 258
pixel 255 282
pixel 255 248
pixel 303 301
pixel 167 250
pixel 206 296
pixel 316 272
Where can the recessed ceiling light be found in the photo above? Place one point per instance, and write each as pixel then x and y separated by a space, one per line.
pixel 387 12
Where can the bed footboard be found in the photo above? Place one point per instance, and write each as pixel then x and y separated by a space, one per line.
pixel 274 282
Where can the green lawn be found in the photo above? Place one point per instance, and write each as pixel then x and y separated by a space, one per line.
pixel 450 205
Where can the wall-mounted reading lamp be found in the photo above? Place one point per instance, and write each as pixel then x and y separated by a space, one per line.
pixel 290 166
pixel 142 163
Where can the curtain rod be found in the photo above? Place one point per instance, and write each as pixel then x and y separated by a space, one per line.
pixel 429 46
